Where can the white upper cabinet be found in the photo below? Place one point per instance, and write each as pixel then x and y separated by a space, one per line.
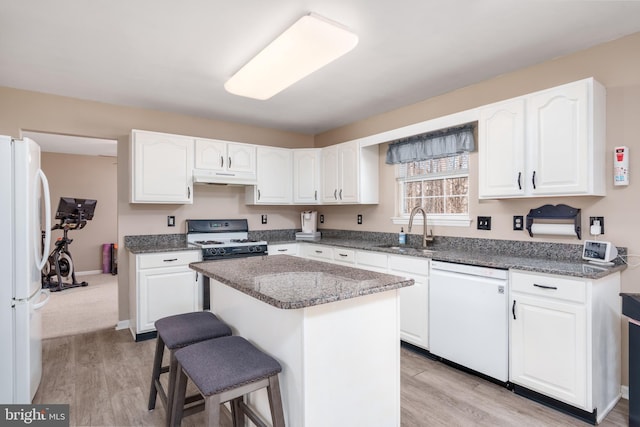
pixel 548 143
pixel 275 173
pixel 306 176
pixel 161 168
pixel 350 173
pixel 224 162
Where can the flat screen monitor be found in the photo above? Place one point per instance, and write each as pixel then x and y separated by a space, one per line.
pixel 599 252
pixel 70 207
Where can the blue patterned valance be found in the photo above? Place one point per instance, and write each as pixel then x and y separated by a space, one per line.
pixel 431 145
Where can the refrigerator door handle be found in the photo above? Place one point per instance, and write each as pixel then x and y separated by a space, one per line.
pixel 42 303
pixel 47 223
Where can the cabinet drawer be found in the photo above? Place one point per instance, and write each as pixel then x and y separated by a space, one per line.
pixel 549 286
pixel 167 259
pixel 284 249
pixel 344 255
pixel 315 251
pixel 372 260
pixel 418 266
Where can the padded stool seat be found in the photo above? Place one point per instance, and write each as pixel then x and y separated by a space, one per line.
pixel 223 370
pixel 176 332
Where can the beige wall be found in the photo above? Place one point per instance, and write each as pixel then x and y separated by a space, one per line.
pixel 88 177
pixel 615 64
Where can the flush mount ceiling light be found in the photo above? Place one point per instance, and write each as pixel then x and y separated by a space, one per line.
pixel 308 45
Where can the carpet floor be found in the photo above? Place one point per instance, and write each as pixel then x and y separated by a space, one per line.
pixel 82 309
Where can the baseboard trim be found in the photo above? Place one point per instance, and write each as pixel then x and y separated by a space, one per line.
pixel 122 324
pixel 625 392
pixel 88 272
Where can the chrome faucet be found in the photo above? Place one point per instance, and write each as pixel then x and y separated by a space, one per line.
pixel 425 238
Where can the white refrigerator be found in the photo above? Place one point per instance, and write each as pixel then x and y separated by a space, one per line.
pixel 25 210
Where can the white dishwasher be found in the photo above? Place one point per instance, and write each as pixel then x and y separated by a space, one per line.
pixel 468 317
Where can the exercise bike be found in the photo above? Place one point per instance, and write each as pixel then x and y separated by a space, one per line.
pixel 73 215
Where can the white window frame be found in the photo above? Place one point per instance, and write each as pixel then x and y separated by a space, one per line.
pixel 451 220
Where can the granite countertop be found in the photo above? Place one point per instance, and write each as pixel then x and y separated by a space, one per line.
pixel 486 258
pixel 152 243
pixel 290 282
pixel 517 255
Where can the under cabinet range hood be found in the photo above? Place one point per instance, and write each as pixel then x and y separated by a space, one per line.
pixel 208 176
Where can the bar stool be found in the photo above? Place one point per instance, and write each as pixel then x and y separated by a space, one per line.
pixel 176 332
pixel 224 370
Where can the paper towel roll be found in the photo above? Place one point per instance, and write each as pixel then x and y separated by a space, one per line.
pixel 555 229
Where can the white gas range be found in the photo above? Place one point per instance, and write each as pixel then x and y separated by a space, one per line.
pixel 223 238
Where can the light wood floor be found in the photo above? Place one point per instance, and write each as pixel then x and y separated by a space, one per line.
pixel 104 376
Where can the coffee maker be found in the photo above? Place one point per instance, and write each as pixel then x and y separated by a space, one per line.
pixel 309 221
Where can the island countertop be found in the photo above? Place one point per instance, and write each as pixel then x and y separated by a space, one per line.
pixel 289 282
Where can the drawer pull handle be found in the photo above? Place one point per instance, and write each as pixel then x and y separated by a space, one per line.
pixel 545 286
pixel 513 309
pixel 170 260
pixel 318 252
pixel 519 185
pixel 283 250
pixel 343 254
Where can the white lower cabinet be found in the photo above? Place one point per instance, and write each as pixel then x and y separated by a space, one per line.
pixel 374 261
pixel 414 300
pixel 565 339
pixel 162 284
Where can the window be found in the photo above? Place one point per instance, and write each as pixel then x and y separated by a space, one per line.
pixel 439 186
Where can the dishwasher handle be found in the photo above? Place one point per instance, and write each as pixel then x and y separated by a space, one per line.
pixel 513 309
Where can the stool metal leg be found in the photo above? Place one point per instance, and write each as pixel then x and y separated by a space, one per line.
pixel 155 373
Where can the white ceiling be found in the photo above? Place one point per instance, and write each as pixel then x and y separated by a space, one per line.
pixel 175 56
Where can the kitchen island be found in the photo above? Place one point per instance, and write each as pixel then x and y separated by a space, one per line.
pixel 334 330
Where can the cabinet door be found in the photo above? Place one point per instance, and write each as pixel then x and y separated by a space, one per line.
pixel 162 166
pixel 348 173
pixel 330 174
pixel 241 158
pixel 306 176
pixel 414 300
pixel 165 292
pixel 274 175
pixel 501 139
pixel 210 154
pixel 549 348
pixel 559 140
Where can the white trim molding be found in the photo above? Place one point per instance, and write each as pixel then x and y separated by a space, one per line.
pixel 450 221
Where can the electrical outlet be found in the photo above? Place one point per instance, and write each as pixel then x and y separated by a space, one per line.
pixel 593 219
pixel 264 218
pixel 171 221
pixel 484 223
pixel 359 218
pixel 518 222
pixel 321 219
